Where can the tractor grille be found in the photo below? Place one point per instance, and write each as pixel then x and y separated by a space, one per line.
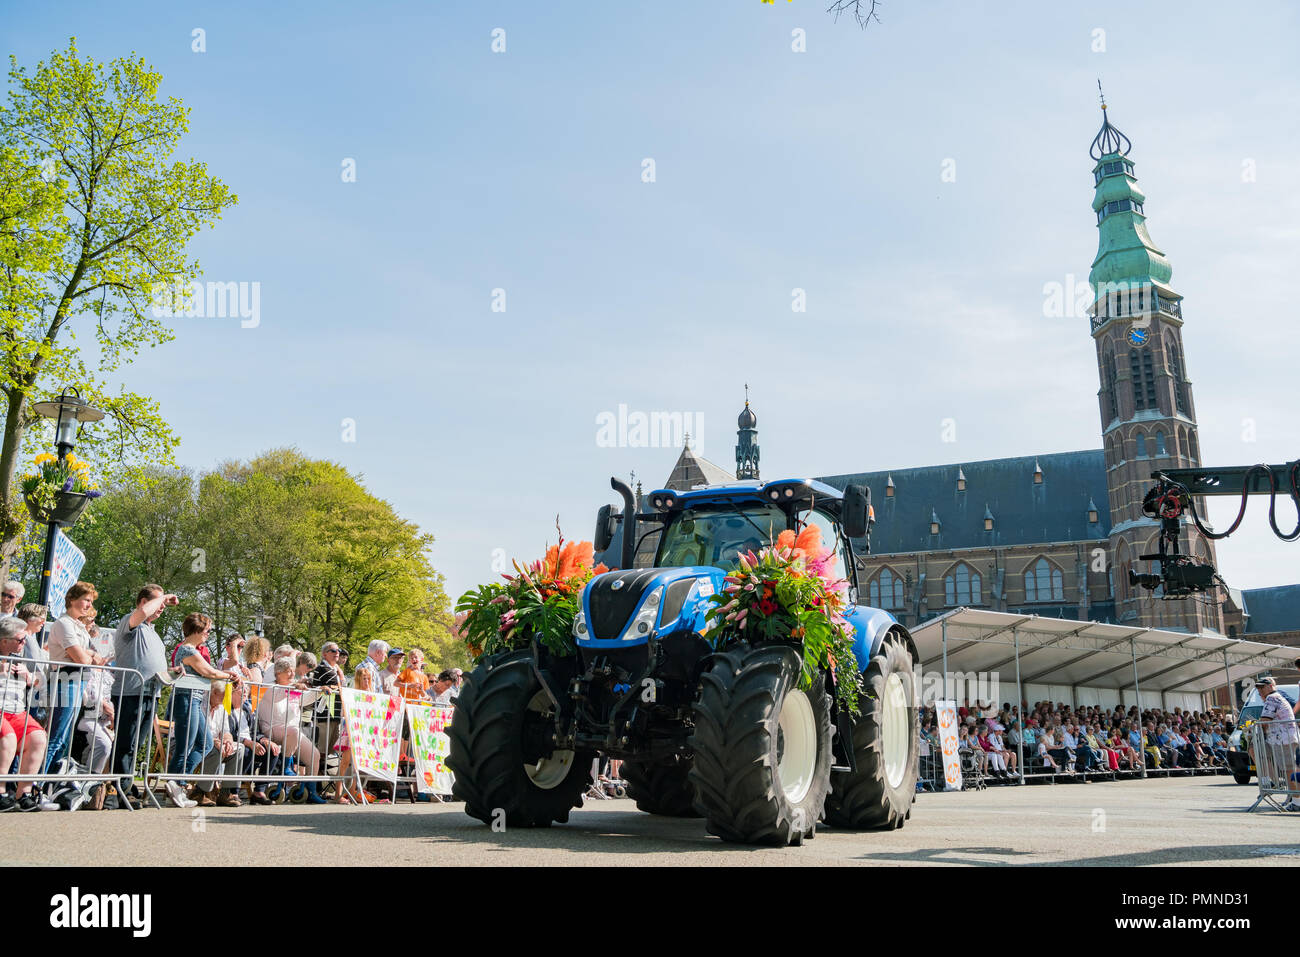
pixel 611 609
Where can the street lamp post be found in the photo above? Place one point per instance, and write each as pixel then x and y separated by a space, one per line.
pixel 69 410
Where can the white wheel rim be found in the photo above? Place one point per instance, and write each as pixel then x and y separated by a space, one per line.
pixel 796 746
pixel 549 772
pixel 894 729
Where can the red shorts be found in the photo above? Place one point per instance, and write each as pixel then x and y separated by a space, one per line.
pixel 20 724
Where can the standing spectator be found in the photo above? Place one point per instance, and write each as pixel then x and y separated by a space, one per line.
pixel 327 677
pixel 459 677
pixel 440 690
pixel 304 664
pixel 137 648
pixel 69 650
pixel 413 683
pixel 231 660
pixel 20 735
pixel 10 597
pixel 257 655
pixel 374 662
pixel 388 677
pixel 1280 735
pixel 190 739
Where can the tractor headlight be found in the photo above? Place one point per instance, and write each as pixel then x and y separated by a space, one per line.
pixel 644 621
pixel 580 625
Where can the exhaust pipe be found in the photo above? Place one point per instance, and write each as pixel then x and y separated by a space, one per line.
pixel 629 521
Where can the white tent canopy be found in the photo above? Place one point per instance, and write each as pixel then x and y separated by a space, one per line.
pixel 1087 662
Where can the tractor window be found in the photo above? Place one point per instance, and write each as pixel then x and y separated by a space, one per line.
pixel 829 538
pixel 716 536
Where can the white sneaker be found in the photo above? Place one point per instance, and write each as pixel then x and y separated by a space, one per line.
pixel 177 794
pixel 48 805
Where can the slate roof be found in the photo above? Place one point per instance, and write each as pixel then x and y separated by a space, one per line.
pixel 1272 609
pixel 1023 513
pixel 692 470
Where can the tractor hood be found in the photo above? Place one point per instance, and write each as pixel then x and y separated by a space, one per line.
pixel 624 608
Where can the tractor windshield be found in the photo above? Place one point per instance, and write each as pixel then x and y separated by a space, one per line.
pixel 716 534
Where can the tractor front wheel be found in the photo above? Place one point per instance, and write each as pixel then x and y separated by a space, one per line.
pixel 503 773
pixel 879 794
pixel 762 748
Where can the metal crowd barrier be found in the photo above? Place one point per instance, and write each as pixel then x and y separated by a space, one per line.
pixel 50 742
pixel 277 748
pixel 1274 745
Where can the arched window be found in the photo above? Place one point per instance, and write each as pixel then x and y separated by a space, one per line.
pixel 1109 373
pixel 1174 355
pixel 1144 379
pixel 886 591
pixel 1160 444
pixel 1044 582
pixel 1195 453
pixel 962 586
pixel 1140 443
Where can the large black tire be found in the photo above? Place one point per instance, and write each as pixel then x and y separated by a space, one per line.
pixel 867 799
pixel 487 750
pixel 739 747
pixel 661 788
pixel 1242 777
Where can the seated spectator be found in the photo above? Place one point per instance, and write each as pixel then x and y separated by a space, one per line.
pixel 97 719
pixel 279 717
pixel 34 616
pixel 20 735
pixel 1062 755
pixel 966 744
pixel 1000 751
pixel 1046 745
pixel 1100 745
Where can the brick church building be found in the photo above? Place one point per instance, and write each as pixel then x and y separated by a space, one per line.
pixel 1057 534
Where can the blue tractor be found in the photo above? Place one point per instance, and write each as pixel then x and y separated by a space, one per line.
pixel 724 733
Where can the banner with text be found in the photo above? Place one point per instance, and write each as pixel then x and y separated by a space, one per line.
pixel 429 747
pixel 374 731
pixel 946 713
pixel 69 560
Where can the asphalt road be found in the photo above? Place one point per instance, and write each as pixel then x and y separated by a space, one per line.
pixel 1165 822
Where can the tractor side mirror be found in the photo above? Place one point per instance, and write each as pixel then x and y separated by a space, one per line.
pixel 606 521
pixel 856 508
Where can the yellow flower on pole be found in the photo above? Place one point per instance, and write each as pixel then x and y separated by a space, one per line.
pixel 44 457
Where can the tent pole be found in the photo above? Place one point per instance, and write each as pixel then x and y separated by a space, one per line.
pixel 1227 677
pixel 944 630
pixel 1020 705
pixel 1137 693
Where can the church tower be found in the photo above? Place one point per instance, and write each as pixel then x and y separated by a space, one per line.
pixel 747 442
pixel 1147 417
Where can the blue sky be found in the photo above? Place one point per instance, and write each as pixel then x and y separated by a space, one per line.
pixel 774 170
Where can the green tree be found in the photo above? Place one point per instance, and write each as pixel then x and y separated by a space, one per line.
pixel 95 215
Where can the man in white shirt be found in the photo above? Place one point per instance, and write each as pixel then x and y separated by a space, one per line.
pixel 1281 736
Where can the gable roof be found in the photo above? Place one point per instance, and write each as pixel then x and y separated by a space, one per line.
pixel 1271 609
pixel 692 470
pixel 1023 512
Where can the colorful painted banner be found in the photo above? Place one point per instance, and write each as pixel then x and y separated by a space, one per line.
pixel 946 713
pixel 429 747
pixel 374 731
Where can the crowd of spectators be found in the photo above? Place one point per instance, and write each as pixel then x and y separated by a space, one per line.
pixel 1074 740
pixel 86 703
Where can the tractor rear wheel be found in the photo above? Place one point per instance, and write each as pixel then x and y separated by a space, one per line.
pixel 661 788
pixel 879 794
pixel 762 748
pixel 500 773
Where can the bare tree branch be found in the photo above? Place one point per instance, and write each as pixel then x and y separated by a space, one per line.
pixel 856 8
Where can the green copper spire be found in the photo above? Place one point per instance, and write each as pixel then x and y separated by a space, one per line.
pixel 1125 252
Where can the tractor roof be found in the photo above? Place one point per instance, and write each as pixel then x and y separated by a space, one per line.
pixel 778 491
